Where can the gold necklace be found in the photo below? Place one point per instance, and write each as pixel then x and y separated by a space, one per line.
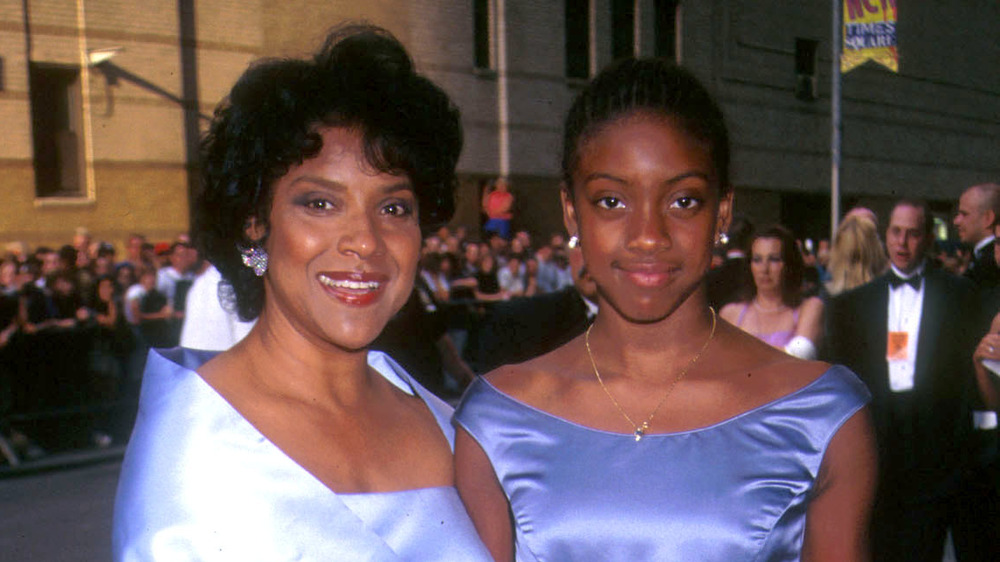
pixel 641 429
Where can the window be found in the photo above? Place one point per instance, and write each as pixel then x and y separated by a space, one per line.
pixel 805 68
pixel 56 129
pixel 482 36
pixel 665 12
pixel 578 39
pixel 622 28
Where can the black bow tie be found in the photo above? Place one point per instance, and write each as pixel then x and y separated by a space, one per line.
pixel 895 281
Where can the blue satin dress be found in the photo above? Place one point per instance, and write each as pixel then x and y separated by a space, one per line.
pixel 199 482
pixel 736 490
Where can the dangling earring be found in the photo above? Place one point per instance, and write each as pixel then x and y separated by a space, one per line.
pixel 573 242
pixel 255 258
pixel 723 239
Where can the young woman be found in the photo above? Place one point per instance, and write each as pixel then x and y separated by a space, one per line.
pixel 662 433
pixel 776 312
pixel 298 443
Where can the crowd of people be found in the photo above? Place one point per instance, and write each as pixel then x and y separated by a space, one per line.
pixel 919 325
pixel 77 321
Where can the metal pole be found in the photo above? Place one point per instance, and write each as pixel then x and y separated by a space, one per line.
pixel 838 12
pixel 503 103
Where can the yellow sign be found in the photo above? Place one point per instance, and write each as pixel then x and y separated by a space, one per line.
pixel 869 33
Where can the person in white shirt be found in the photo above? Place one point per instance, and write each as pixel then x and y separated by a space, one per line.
pixel 168 276
pixel 208 323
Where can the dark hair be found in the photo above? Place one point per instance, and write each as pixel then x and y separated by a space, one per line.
pixel 105 250
pixel 652 85
pixel 740 234
pixel 793 271
pixel 362 79
pixel 68 254
pixel 924 208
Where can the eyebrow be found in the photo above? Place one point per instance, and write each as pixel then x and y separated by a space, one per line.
pixel 401 185
pixel 678 178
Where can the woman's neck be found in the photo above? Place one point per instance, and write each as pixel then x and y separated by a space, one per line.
pixel 769 301
pixel 284 362
pixel 641 349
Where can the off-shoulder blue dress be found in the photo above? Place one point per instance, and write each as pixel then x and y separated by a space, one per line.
pixel 199 482
pixel 735 490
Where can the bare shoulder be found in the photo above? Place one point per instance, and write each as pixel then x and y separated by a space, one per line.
pixel 759 373
pixel 731 311
pixel 813 305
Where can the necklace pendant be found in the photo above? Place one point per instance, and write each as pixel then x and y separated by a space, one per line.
pixel 639 432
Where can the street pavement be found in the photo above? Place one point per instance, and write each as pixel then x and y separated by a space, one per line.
pixel 59 515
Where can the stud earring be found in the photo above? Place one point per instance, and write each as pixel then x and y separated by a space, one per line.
pixel 255 258
pixel 723 238
pixel 573 242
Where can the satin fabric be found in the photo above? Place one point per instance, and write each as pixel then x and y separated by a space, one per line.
pixel 199 482
pixel 736 490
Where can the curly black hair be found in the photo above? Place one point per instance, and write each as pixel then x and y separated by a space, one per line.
pixel 362 78
pixel 654 85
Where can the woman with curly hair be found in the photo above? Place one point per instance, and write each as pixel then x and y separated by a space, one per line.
pixel 300 443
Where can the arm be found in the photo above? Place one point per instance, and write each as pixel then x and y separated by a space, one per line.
pixel 7 332
pixel 23 320
pixel 805 342
pixel 811 320
pixel 988 348
pixel 163 314
pixel 108 320
pixel 531 287
pixel 839 512
pixel 483 497
pixel 484 201
pixel 453 362
pixel 133 306
pixel 491 297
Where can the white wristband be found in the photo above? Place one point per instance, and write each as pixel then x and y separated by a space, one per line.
pixel 801 347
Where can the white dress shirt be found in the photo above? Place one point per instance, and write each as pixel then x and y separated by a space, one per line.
pixel 905 308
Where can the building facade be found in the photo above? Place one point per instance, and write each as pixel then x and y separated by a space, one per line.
pixel 103 101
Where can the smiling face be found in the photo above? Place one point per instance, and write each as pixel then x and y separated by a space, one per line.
pixel 767 264
pixel 645 204
pixel 343 245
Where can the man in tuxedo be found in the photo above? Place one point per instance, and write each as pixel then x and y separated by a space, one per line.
pixel 908 335
pixel 978 211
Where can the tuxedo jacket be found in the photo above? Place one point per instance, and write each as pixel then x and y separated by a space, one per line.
pixel 923 434
pixel 522 328
pixel 983 270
